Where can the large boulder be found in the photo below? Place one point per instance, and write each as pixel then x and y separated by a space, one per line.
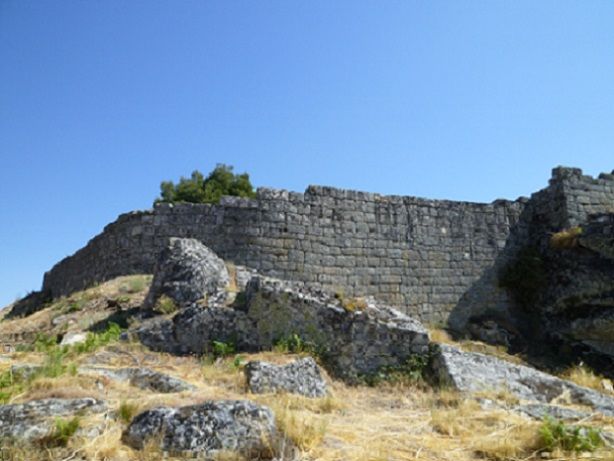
pixel 193 330
pixel 473 372
pixel 353 338
pixel 208 428
pixel 34 420
pixel 299 377
pixel 187 271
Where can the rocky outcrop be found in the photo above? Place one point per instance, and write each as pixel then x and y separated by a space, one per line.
pixel 33 420
pixel 187 271
pixel 542 410
pixel 576 303
pixel 299 377
pixel 29 304
pixel 143 378
pixel 73 337
pixel 473 372
pixel 353 338
pixel 25 371
pixel 598 234
pixel 207 428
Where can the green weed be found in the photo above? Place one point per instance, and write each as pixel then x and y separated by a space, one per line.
pixel 555 434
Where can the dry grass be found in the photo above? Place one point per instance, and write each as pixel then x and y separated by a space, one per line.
pixel 584 376
pixel 78 311
pixel 566 239
pixel 441 336
pixel 354 423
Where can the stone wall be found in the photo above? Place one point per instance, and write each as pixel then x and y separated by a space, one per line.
pixel 419 255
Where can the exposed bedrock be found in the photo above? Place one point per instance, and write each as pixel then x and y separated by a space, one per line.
pixel 473 372
pixel 357 339
pixel 34 420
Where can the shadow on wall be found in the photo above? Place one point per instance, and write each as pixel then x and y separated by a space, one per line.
pixel 485 300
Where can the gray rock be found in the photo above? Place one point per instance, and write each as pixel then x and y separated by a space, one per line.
pixel 143 378
pixel 193 330
pixel 541 410
pixel 24 371
pixel 351 342
pixel 210 427
pixel 73 338
pixel 187 271
pixel 598 234
pixel 473 372
pixel 299 377
pixel 34 420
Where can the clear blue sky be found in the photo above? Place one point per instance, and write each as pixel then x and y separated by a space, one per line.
pixel 469 100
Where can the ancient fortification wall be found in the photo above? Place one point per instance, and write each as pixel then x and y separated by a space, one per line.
pixel 422 256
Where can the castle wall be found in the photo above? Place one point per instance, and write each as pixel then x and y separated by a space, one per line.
pixel 419 255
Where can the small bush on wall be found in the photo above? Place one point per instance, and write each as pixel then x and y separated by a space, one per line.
pixel 198 189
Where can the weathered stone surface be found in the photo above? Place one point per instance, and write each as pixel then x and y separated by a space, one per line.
pixel 541 410
pixel 143 378
pixel 598 234
pixel 299 377
pixel 352 343
pixel 24 371
pixel 595 331
pixel 473 372
pixel 33 420
pixel 210 427
pixel 73 338
pixel 187 271
pixel 193 330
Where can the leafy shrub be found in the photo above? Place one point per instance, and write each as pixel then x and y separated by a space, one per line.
pixel 294 344
pixel 525 277
pixel 44 342
pixel 555 434
pixel 54 366
pixel 237 363
pixel 198 189
pixel 96 340
pixel 222 349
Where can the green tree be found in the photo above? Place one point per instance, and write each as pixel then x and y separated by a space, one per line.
pixel 198 189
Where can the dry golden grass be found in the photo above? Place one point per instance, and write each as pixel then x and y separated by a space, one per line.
pixel 566 239
pixel 441 336
pixel 584 376
pixel 355 423
pixel 76 312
